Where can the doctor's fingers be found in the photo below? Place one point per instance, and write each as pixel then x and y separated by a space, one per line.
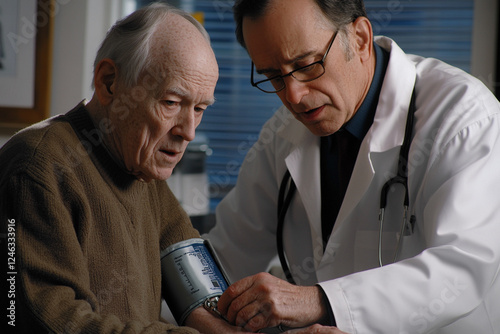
pixel 236 290
pixel 250 310
pixel 316 329
pixel 231 293
pixel 250 296
pixel 254 317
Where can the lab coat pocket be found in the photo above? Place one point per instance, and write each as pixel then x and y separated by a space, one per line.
pixel 410 246
pixel 366 249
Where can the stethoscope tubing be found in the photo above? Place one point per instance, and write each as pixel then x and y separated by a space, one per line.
pixel 283 204
pixel 400 178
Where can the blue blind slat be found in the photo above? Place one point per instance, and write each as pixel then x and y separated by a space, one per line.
pixel 439 28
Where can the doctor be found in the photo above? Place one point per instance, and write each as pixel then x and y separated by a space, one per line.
pixel 338 84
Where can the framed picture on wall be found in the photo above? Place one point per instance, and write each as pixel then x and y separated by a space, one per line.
pixel 26 29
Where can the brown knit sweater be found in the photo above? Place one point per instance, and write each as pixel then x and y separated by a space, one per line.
pixel 88 235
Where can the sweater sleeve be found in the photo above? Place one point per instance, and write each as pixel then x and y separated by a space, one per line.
pixel 52 277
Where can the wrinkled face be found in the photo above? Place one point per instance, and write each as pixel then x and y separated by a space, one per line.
pixel 159 115
pixel 157 129
pixel 289 36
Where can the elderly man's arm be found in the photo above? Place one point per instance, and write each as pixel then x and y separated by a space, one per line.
pixel 53 284
pixel 208 323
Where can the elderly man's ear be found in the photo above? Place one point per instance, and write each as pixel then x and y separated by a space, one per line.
pixel 105 81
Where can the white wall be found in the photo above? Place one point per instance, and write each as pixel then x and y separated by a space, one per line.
pixel 484 42
pixel 79 27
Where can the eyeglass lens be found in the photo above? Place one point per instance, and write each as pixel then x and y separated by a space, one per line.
pixel 303 74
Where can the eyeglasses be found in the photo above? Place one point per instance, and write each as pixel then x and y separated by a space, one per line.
pixel 303 74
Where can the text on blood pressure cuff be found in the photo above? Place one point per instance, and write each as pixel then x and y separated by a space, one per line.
pixel 191 273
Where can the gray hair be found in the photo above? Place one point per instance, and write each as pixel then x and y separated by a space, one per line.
pixel 127 43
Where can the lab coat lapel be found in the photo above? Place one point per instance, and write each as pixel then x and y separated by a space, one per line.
pixel 303 162
pixel 361 178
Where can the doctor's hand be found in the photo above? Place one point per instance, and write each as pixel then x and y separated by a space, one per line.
pixel 208 323
pixel 263 301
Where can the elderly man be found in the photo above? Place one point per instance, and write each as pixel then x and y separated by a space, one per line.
pixel 357 113
pixel 83 197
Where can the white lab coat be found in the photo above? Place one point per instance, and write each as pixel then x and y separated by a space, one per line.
pixel 446 278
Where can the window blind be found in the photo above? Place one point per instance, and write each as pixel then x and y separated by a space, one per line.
pixel 438 28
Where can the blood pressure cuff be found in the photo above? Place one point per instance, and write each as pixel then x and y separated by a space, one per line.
pixel 191 275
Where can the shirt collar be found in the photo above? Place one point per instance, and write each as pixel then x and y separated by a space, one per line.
pixel 362 120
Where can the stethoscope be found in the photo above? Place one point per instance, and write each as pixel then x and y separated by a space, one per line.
pixel 407 225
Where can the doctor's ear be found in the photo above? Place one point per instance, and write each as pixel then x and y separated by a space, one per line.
pixel 105 75
pixel 363 38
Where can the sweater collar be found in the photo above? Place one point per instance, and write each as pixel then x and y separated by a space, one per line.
pixel 92 140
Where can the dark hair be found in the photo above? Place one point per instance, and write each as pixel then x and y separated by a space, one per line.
pixel 338 12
